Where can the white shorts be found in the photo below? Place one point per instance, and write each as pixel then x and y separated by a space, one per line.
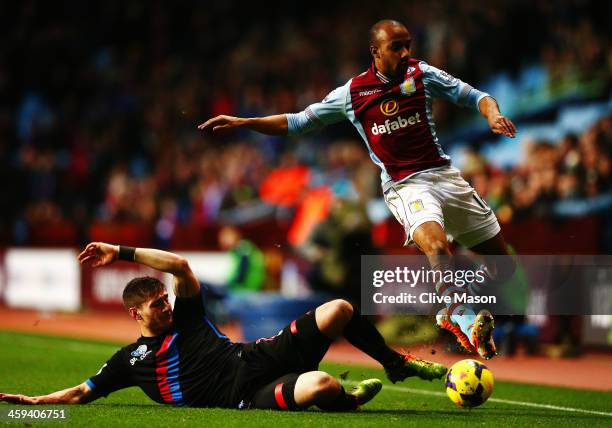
pixel 443 196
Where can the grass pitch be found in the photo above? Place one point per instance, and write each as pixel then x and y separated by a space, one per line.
pixel 35 365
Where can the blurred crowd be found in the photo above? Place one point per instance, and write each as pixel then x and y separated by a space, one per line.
pixel 576 168
pixel 101 100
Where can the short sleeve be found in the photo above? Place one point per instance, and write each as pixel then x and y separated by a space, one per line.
pixel 331 110
pixel 113 376
pixel 440 84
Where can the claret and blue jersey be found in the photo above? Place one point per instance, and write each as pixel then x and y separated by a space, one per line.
pixel 393 117
pixel 192 365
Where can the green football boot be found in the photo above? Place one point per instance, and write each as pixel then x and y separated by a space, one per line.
pixel 366 390
pixel 410 365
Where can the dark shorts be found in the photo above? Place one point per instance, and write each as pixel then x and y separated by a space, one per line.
pixel 279 360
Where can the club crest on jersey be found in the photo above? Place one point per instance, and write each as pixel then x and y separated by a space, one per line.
pixel 389 107
pixel 408 87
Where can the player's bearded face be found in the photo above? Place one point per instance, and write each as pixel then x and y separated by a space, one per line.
pixel 395 56
pixel 393 52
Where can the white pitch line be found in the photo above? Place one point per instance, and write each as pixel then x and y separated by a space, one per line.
pixel 91 347
pixel 494 400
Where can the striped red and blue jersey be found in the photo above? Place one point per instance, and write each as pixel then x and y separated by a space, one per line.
pixel 192 365
pixel 394 117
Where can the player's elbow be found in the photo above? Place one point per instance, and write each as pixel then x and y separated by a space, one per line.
pixel 77 399
pixel 181 265
pixel 80 394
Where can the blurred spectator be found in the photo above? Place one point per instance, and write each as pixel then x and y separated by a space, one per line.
pixel 335 248
pixel 247 274
pixel 99 125
pixel 574 168
pixel 248 269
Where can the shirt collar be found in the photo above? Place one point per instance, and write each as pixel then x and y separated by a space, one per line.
pixel 382 77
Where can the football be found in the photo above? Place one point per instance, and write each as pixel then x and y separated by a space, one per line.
pixel 469 383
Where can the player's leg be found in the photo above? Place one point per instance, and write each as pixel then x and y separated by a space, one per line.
pixel 474 225
pixel 300 391
pixel 340 318
pixel 417 205
pixel 430 237
pixel 458 319
pixel 325 391
pixel 497 256
pixel 333 316
pixel 320 388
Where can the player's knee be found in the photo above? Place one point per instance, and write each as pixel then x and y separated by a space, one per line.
pixel 343 310
pixel 436 246
pixel 325 386
pixel 332 317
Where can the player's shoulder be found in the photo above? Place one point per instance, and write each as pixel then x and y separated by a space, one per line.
pixel 364 83
pixel 435 74
pixel 338 95
pixel 421 64
pixel 344 87
pixel 122 355
pixel 428 69
pixel 367 77
pixel 142 345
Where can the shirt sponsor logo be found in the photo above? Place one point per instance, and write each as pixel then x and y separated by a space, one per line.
pixel 393 125
pixel 139 354
pixel 389 107
pixel 372 92
pixel 408 87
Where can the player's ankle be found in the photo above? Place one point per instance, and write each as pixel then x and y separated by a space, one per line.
pixel 395 361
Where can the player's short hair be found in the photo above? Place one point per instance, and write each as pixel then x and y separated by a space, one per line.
pixel 139 290
pixel 377 27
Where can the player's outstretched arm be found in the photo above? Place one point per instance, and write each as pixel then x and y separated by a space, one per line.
pixel 498 123
pixel 270 125
pixel 79 394
pixel 102 254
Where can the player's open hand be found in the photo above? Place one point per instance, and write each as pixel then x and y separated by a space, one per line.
pixel 17 399
pixel 221 122
pixel 99 254
pixel 502 125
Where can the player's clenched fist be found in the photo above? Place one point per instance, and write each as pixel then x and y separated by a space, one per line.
pixel 99 254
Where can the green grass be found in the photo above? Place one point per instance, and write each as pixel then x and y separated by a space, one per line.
pixel 36 365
